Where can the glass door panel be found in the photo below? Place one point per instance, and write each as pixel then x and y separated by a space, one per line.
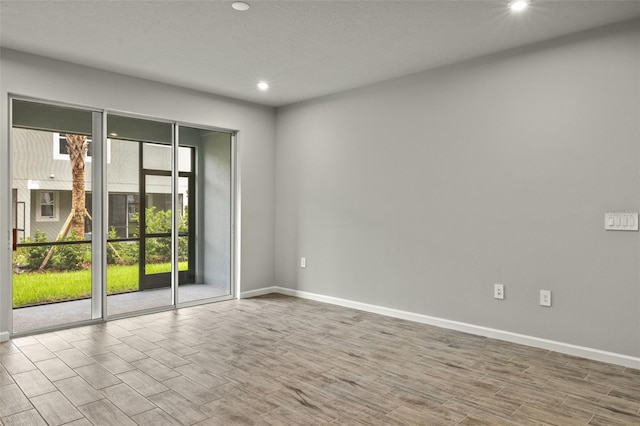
pixel 139 215
pixel 204 158
pixel 186 237
pixel 57 277
pixel 156 157
pixel 51 208
pixel 157 235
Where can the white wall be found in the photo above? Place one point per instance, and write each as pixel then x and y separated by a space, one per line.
pixel 420 193
pixel 43 78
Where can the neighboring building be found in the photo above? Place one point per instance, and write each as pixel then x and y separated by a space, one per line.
pixel 42 183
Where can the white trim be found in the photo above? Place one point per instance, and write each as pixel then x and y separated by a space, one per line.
pixel 65 157
pixel 6 256
pixel 99 209
pixel 260 292
pixel 175 167
pixel 56 206
pixel 522 339
pixel 56 149
pixel 236 215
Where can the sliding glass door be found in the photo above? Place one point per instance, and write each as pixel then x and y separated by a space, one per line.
pixel 156 232
pixel 115 215
pixel 206 156
pixel 139 225
pixel 52 154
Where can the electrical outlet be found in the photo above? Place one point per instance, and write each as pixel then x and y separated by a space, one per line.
pixel 545 297
pixel 498 291
pixel 303 262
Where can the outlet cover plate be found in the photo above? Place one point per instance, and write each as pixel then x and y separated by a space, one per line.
pixel 545 297
pixel 498 291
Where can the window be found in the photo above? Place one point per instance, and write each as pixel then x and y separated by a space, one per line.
pixel 123 214
pixel 47 208
pixel 61 151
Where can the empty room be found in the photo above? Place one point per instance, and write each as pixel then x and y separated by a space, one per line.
pixel 319 212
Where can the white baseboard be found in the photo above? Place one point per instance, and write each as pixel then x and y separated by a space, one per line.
pixel 258 292
pixel 566 348
pixel 4 336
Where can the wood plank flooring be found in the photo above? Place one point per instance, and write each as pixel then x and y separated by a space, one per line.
pixel 277 360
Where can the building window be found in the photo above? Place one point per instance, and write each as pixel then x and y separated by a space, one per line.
pixel 48 207
pixel 124 210
pixel 61 150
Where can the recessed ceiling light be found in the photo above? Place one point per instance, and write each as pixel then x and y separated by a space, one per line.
pixel 240 5
pixel 263 85
pixel 518 5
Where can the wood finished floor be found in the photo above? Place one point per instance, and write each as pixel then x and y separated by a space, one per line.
pixel 276 360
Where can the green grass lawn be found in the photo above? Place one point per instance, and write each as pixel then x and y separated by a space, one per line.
pixel 30 288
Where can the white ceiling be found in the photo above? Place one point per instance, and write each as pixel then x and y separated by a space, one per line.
pixel 304 49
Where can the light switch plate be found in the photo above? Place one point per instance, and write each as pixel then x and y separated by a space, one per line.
pixel 621 221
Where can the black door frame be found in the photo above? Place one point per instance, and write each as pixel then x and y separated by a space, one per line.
pixel 160 280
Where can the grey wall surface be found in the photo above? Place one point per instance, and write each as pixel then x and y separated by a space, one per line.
pixel 38 77
pixel 422 192
pixel 215 177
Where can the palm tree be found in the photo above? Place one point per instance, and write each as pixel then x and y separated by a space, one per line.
pixel 77 146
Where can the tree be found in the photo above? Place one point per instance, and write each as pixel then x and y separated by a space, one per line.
pixel 77 146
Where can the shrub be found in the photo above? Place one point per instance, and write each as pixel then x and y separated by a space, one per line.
pixel 32 257
pixel 69 257
pixel 121 253
pixel 112 258
pixel 74 256
pixel 158 250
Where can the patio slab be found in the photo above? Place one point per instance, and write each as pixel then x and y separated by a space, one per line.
pixel 38 317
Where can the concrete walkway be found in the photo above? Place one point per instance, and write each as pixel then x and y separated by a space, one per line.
pixel 37 317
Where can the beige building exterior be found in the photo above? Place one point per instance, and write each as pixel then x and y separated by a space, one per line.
pixel 42 181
